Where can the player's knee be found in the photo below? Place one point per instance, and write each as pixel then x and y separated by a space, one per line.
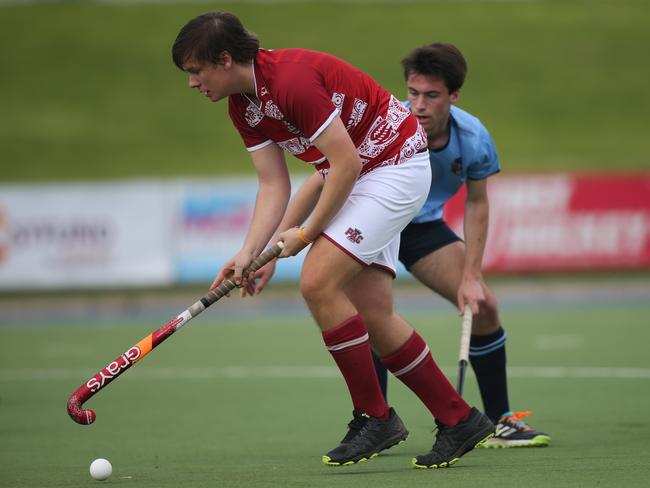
pixel 489 307
pixel 487 320
pixel 313 287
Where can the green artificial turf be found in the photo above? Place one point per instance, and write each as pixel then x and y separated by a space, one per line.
pixel 256 402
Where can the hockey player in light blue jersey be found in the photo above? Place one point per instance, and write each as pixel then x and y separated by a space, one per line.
pixel 461 152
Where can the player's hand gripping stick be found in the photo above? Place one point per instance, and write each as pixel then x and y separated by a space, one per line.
pixel 141 349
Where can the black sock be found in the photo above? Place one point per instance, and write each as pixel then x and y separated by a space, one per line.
pixel 487 354
pixel 382 374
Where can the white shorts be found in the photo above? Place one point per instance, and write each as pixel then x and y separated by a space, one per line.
pixel 380 205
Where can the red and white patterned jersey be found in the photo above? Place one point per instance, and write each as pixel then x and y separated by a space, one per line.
pixel 300 92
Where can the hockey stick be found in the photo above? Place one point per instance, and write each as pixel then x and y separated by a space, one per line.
pixel 463 357
pixel 141 349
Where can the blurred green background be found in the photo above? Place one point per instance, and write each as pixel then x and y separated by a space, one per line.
pixel 88 90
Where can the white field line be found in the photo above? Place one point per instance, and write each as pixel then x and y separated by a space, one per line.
pixel 302 372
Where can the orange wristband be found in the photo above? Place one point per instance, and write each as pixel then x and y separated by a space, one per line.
pixel 302 236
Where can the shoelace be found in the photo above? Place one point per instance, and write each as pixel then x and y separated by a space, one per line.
pixel 354 426
pixel 357 423
pixel 442 440
pixel 372 424
pixel 517 418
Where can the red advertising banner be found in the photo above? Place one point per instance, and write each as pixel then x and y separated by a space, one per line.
pixel 564 222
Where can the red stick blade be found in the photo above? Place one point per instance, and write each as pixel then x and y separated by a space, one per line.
pixel 78 414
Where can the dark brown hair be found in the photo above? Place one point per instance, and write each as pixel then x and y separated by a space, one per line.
pixel 444 61
pixel 207 36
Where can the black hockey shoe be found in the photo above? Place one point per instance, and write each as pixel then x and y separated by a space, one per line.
pixel 452 442
pixel 374 436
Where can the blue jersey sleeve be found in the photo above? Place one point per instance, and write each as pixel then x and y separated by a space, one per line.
pixel 486 160
pixel 469 155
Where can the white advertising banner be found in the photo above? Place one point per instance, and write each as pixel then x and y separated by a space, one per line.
pixel 78 235
pixel 148 233
pixel 210 222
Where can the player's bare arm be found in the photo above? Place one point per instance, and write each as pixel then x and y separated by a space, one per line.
pixel 271 202
pixel 475 228
pixel 345 166
pixel 300 206
pixel 303 203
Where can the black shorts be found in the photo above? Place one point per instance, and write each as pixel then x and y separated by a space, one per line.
pixel 419 240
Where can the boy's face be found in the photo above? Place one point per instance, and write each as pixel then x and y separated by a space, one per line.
pixel 212 80
pixel 430 102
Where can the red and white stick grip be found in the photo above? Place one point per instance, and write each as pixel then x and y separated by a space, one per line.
pixel 136 352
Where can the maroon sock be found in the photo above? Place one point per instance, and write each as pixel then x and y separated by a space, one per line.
pixel 348 344
pixel 413 365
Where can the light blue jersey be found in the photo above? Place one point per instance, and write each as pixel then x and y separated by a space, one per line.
pixel 469 154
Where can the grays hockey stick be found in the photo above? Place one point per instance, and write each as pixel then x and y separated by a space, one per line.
pixel 136 352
